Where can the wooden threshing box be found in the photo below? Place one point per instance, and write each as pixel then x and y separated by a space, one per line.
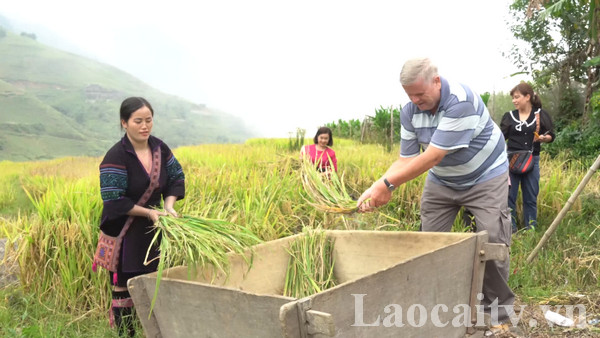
pixel 390 284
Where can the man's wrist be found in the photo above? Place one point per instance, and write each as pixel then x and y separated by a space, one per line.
pixel 390 186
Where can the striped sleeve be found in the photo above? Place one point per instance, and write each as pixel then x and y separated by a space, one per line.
pixel 113 181
pixel 174 170
pixel 175 175
pixel 409 143
pixel 113 187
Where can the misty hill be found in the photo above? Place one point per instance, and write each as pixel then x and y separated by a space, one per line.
pixel 54 103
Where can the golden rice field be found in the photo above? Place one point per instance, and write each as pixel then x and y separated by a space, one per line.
pixel 50 211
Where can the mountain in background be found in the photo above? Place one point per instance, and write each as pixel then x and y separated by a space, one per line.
pixel 54 103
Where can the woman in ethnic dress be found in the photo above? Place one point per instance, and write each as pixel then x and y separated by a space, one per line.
pixel 124 177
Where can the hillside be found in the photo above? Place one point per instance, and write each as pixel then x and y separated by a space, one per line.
pixel 54 104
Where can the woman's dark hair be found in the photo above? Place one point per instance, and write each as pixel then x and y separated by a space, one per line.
pixel 132 104
pixel 525 89
pixel 324 130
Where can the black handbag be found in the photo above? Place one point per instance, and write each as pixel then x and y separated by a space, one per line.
pixel 521 162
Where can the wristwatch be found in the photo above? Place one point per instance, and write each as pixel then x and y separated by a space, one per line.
pixel 390 186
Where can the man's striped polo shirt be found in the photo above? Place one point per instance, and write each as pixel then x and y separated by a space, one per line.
pixel 463 127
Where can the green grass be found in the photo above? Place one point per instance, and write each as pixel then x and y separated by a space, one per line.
pixel 12 196
pixel 23 315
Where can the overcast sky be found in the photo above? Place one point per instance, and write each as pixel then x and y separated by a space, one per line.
pixel 283 64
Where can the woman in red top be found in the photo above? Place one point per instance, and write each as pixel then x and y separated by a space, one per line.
pixel 320 152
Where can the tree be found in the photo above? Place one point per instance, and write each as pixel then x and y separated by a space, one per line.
pixel 593 53
pixel 561 38
pixel 382 128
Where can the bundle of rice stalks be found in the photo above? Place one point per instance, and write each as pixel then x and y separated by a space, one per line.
pixel 326 190
pixel 310 267
pixel 198 242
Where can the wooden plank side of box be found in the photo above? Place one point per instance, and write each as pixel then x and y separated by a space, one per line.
pixel 415 298
pixel 191 309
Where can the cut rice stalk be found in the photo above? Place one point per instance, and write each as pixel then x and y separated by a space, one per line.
pixel 326 190
pixel 198 242
pixel 310 267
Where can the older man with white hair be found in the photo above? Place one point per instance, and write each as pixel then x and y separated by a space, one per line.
pixel 448 131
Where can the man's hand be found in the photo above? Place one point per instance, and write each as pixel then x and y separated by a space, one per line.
pixel 376 196
pixel 364 201
pixel 380 195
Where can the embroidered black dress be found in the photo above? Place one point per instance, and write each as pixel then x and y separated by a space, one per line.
pixel 123 180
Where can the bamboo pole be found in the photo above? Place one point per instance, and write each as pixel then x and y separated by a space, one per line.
pixel 564 210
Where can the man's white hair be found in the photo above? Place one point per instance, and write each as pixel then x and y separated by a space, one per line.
pixel 418 68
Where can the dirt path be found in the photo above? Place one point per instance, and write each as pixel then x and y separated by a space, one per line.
pixel 533 323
